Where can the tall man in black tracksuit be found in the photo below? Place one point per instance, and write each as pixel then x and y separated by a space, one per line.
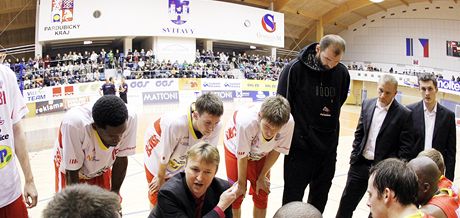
pixel 316 85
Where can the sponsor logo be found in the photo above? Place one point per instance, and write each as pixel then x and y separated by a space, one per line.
pixel 68 90
pixel 241 153
pixel 232 85
pixel 224 95
pixel 73 102
pixel 449 85
pixel 2 98
pixel 152 143
pixel 57 92
pixel 160 97
pixel 35 95
pixel 44 107
pixel 211 84
pixel 268 23
pixel 62 10
pixel 4 136
pixel 178 11
pixel 6 155
pixel 73 161
pixel 255 95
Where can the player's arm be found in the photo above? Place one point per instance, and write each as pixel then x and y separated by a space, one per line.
pixel 118 173
pixel 262 181
pixel 30 191
pixel 242 173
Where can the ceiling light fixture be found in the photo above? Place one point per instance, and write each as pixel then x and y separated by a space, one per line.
pixel 376 1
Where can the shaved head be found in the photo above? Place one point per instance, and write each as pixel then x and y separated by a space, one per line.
pixel 428 176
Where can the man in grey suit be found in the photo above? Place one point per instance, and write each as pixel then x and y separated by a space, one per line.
pixel 434 125
pixel 384 131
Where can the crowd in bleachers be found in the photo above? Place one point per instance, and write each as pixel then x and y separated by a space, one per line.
pixel 73 67
pixel 394 70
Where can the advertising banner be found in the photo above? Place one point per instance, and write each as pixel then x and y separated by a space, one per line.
pixel 189 84
pixel 45 107
pixel 259 85
pixel 225 95
pixel 138 86
pixel 72 102
pixel 160 97
pixel 255 95
pixel 39 94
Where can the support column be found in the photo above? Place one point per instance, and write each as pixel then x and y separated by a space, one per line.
pixel 38 45
pixel 319 29
pixel 207 45
pixel 273 54
pixel 127 44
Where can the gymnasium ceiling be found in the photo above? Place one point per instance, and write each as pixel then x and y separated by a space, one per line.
pixel 17 17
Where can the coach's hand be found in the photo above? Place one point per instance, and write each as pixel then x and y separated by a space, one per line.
pixel 264 184
pixel 30 194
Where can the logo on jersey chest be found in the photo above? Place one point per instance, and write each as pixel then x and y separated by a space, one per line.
pixel 4 136
pixel 2 98
pixel 6 155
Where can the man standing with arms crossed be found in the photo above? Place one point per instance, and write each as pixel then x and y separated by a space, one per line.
pixel 316 86
pixel 434 125
pixel 12 146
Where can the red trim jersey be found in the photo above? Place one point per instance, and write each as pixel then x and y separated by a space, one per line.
pixel 169 139
pixel 79 146
pixel 12 109
pixel 447 201
pixel 243 136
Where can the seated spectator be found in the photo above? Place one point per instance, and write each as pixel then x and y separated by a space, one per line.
pixel 297 209
pixel 392 190
pixel 196 192
pixel 82 200
pixel 439 203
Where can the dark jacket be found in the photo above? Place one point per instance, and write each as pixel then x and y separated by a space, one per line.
pixel 394 139
pixel 444 134
pixel 176 200
pixel 316 96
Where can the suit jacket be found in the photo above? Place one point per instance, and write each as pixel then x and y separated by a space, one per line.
pixel 444 134
pixel 394 138
pixel 176 200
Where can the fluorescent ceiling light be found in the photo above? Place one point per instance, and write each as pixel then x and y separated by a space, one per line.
pixel 87 42
pixel 376 1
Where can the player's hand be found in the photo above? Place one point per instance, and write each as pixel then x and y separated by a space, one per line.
pixel 227 197
pixel 30 194
pixel 240 189
pixel 263 183
pixel 156 183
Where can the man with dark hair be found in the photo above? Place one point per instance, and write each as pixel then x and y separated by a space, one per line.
pixel 297 209
pixel 108 88
pixel 383 131
pixel 83 200
pixel 434 124
pixel 170 136
pixel 437 202
pixel 436 156
pixel 316 86
pixel 93 144
pixel 253 140
pixel 392 190
pixel 13 149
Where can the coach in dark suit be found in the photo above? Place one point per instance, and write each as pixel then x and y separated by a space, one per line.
pixel 196 192
pixel 384 131
pixel 434 125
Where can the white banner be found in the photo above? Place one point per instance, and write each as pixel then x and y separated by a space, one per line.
pixel 79 19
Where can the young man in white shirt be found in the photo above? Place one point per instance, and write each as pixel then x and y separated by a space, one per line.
pixel 12 147
pixel 171 136
pixel 93 144
pixel 254 137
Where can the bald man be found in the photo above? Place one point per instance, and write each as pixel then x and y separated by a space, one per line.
pixel 436 202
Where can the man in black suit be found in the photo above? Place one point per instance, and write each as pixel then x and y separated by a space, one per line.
pixel 434 125
pixel 384 131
